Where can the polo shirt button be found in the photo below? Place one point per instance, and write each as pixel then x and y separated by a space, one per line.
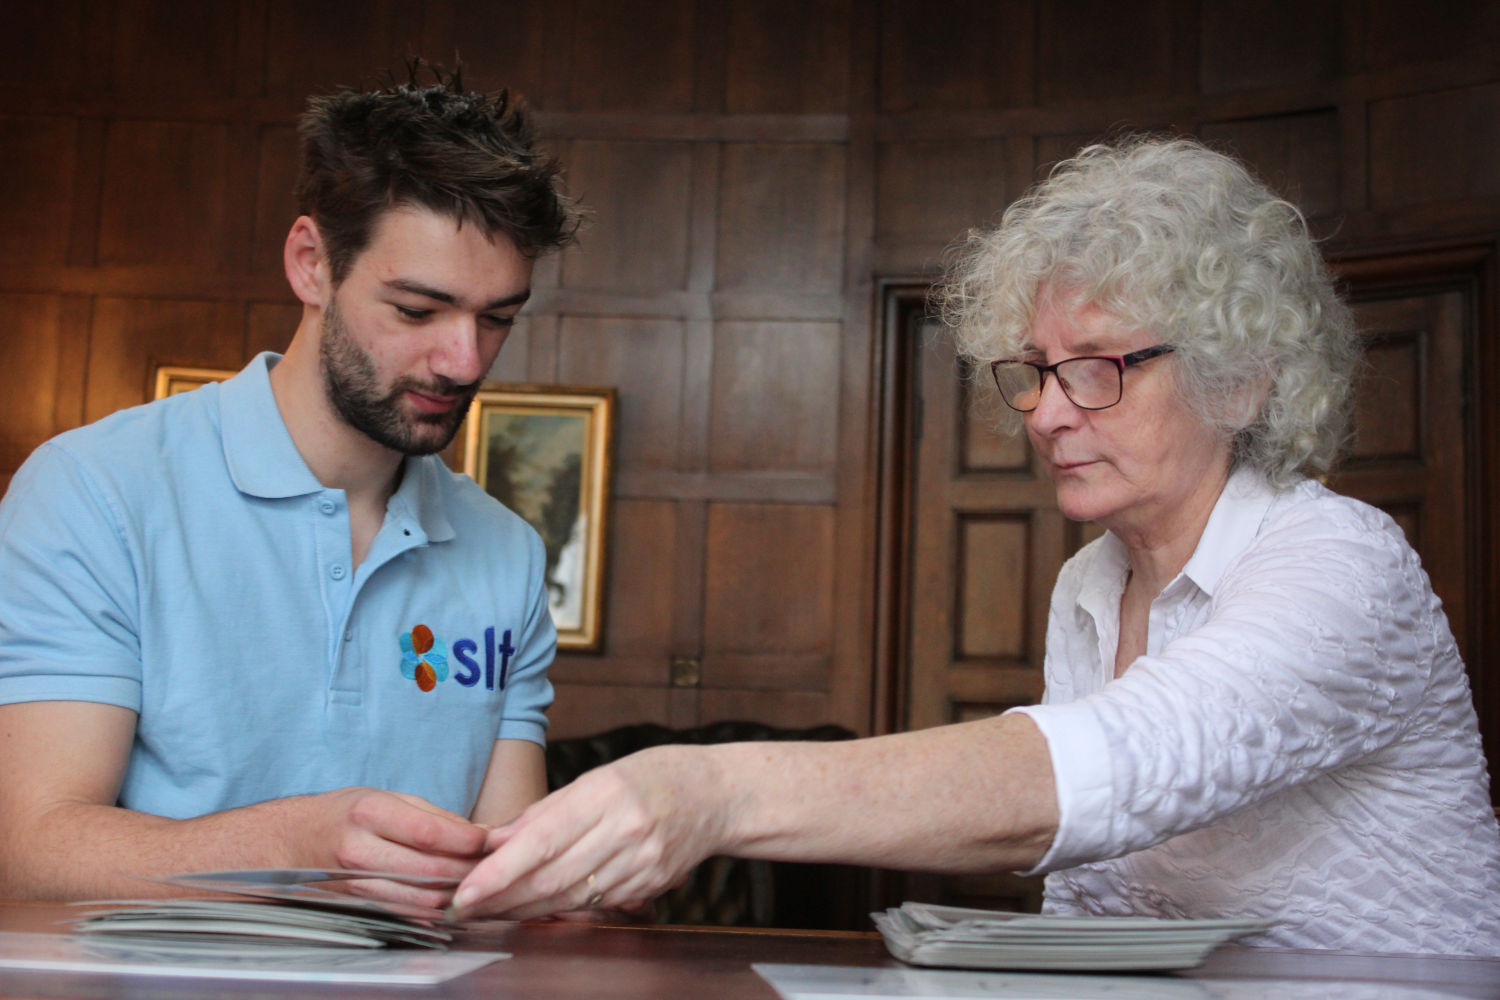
pixel 348 635
pixel 327 506
pixel 337 572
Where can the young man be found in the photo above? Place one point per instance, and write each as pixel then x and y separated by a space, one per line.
pixel 261 624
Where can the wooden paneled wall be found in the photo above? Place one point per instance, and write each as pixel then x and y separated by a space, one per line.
pixel 756 169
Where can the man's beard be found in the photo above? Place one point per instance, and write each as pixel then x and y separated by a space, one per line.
pixel 350 381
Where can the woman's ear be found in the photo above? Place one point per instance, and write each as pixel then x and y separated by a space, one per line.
pixel 1245 405
pixel 306 262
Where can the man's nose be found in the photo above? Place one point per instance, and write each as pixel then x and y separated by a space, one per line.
pixel 457 356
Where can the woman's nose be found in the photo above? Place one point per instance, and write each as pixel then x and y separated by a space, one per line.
pixel 1054 409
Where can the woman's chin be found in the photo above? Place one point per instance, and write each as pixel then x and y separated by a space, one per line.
pixel 1082 505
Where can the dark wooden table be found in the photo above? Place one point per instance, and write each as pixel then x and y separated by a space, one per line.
pixel 558 961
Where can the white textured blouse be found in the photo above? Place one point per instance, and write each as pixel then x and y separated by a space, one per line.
pixel 1298 743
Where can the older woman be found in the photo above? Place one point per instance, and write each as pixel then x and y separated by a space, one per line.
pixel 1254 705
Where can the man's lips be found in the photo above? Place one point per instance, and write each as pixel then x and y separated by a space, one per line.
pixel 430 402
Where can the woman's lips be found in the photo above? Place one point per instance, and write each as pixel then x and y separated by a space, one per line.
pixel 1071 466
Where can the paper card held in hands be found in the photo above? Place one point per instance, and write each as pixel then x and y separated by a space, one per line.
pixel 304 887
pixel 307 876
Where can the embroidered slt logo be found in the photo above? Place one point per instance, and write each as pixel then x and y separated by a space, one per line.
pixel 422 658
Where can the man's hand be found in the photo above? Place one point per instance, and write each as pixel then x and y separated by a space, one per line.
pixel 365 828
pixel 63 837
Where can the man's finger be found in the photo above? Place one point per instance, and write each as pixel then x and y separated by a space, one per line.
pixel 395 819
pixel 430 807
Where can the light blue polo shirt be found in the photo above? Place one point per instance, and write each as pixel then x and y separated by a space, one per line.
pixel 179 559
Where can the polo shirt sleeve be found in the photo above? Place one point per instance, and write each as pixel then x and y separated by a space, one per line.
pixel 528 693
pixel 68 607
pixel 1318 651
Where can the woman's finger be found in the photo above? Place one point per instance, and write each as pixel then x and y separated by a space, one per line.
pixel 520 870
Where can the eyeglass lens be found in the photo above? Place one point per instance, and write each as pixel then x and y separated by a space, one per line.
pixel 1092 383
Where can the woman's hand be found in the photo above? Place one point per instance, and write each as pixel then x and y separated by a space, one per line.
pixel 616 836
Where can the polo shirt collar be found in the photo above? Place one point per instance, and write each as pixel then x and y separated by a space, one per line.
pixel 258 449
pixel 263 461
pixel 420 498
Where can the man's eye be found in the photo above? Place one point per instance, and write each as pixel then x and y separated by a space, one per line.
pixel 410 313
pixel 499 322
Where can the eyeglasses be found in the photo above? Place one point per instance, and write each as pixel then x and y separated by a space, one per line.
pixel 1092 383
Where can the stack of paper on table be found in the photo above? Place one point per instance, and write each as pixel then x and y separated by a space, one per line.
pixel 290 906
pixel 923 934
pixel 292 927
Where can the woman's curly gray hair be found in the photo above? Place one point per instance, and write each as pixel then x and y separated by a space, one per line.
pixel 1173 237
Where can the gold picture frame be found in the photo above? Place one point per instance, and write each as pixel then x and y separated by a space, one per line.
pixel 544 452
pixel 172 379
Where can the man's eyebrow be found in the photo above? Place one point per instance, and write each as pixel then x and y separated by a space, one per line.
pixel 448 298
pixel 517 299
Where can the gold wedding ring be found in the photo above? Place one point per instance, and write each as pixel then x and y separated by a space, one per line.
pixel 595 896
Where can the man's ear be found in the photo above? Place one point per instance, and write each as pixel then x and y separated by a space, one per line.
pixel 306 262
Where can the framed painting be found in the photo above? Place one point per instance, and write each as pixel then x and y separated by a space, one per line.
pixel 172 379
pixel 544 452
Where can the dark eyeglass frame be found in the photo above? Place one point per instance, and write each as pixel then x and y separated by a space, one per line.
pixel 1122 362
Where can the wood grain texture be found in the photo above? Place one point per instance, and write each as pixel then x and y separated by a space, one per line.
pixel 31 361
pixel 1297 155
pixel 56 44
pixel 787 56
pixel 165 197
pixel 1399 33
pixel 317 46
pixel 269 325
pixel 632 57
pixel 37 197
pixel 990 620
pixel 1273 43
pixel 1410 130
pixel 1083 54
pixel 641 617
pixel 769 579
pixel 275 205
pixel 146 333
pixel 500 45
pixel 972 54
pixel 643 359
pixel 930 192
pixel 774 404
pixel 200 37
pixel 638 195
pixel 781 217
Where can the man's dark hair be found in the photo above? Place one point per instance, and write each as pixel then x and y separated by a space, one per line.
pixel 469 156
